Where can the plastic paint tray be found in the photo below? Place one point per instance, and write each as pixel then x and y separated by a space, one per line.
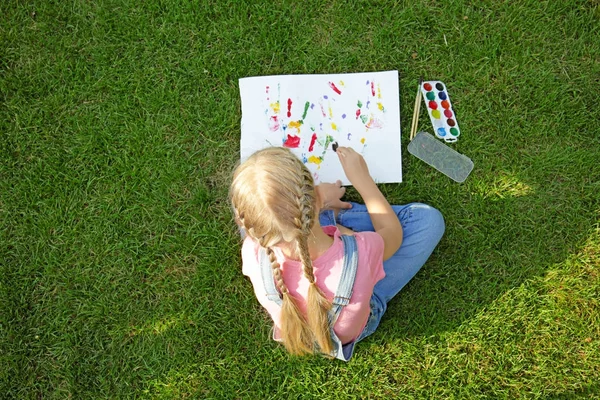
pixel 440 110
pixel 441 157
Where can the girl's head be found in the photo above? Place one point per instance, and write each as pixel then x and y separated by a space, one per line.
pixel 273 196
pixel 274 201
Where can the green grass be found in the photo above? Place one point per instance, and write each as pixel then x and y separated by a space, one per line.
pixel 119 262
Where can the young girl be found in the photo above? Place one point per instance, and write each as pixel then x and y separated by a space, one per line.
pixel 324 269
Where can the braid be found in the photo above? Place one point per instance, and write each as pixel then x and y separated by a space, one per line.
pixel 239 216
pixel 277 275
pixel 297 337
pixel 318 305
pixel 302 250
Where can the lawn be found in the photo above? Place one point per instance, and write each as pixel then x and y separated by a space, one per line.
pixel 120 271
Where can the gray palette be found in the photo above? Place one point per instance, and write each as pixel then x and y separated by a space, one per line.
pixel 441 157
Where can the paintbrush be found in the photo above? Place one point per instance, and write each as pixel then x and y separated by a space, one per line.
pixel 415 120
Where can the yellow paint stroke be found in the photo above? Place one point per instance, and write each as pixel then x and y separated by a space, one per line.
pixel 342 83
pixel 315 160
pixel 275 107
pixel 333 126
pixel 362 140
pixel 295 125
pixel 380 106
pixel 330 112
pixel 378 91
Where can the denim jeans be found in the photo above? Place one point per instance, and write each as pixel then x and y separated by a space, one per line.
pixel 423 227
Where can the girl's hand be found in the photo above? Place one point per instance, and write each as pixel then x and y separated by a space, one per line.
pixel 330 195
pixel 354 166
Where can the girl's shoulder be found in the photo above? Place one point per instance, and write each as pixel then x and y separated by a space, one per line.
pixel 370 244
pixel 369 237
pixel 366 239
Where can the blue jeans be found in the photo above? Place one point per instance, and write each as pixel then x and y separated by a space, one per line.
pixel 423 227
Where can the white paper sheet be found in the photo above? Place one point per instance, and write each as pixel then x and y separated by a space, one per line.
pixel 307 113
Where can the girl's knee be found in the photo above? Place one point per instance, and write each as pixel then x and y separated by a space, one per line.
pixel 430 218
pixel 437 219
pixel 438 222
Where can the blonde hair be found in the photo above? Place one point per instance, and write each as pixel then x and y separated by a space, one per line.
pixel 274 201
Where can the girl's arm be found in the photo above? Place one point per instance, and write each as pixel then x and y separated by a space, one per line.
pixel 382 215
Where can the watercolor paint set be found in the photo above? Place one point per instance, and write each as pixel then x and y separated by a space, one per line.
pixel 440 111
pixel 425 146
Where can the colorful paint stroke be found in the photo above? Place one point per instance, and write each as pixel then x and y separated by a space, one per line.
pixel 308 113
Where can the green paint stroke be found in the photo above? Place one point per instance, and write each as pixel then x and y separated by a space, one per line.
pixel 359 104
pixel 306 106
pixel 364 118
pixel 324 143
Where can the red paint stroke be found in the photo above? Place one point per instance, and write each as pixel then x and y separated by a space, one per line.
pixel 357 113
pixel 322 110
pixel 335 89
pixel 289 113
pixel 292 142
pixel 312 142
pixel 274 123
pixel 267 91
pixel 373 88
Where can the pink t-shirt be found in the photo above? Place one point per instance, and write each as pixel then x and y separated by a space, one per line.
pixel 327 269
